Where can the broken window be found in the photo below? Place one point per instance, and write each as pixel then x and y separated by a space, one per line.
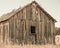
pixel 33 29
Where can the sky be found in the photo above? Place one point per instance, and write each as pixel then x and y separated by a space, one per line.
pixel 51 6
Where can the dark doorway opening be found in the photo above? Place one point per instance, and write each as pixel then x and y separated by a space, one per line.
pixel 33 30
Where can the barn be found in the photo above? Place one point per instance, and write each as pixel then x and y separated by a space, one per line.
pixel 30 24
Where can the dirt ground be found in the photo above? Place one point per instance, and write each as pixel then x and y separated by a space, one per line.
pixel 29 46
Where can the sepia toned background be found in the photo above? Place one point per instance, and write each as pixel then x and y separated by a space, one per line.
pixel 51 6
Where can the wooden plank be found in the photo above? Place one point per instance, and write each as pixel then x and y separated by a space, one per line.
pixel 28 12
pixel 1 33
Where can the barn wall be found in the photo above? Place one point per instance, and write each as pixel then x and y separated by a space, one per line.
pixel 4 32
pixel 17 30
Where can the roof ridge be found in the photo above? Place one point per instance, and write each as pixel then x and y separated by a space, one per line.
pixel 17 10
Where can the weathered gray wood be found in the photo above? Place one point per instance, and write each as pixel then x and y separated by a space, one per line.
pixel 18 29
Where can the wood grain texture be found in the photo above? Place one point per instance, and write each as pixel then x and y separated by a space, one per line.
pixel 17 29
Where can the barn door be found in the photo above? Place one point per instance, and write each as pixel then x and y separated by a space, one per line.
pixel 33 34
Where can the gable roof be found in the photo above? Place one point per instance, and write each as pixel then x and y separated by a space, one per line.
pixel 9 15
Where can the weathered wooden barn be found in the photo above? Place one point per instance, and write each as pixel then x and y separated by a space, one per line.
pixel 28 25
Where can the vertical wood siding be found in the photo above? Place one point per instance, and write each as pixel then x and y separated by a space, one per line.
pixel 17 30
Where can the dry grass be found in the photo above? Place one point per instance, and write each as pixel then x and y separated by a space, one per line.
pixel 29 46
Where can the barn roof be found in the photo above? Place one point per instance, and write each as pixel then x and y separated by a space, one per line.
pixel 9 15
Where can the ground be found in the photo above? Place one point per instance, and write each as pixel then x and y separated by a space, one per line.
pixel 29 46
